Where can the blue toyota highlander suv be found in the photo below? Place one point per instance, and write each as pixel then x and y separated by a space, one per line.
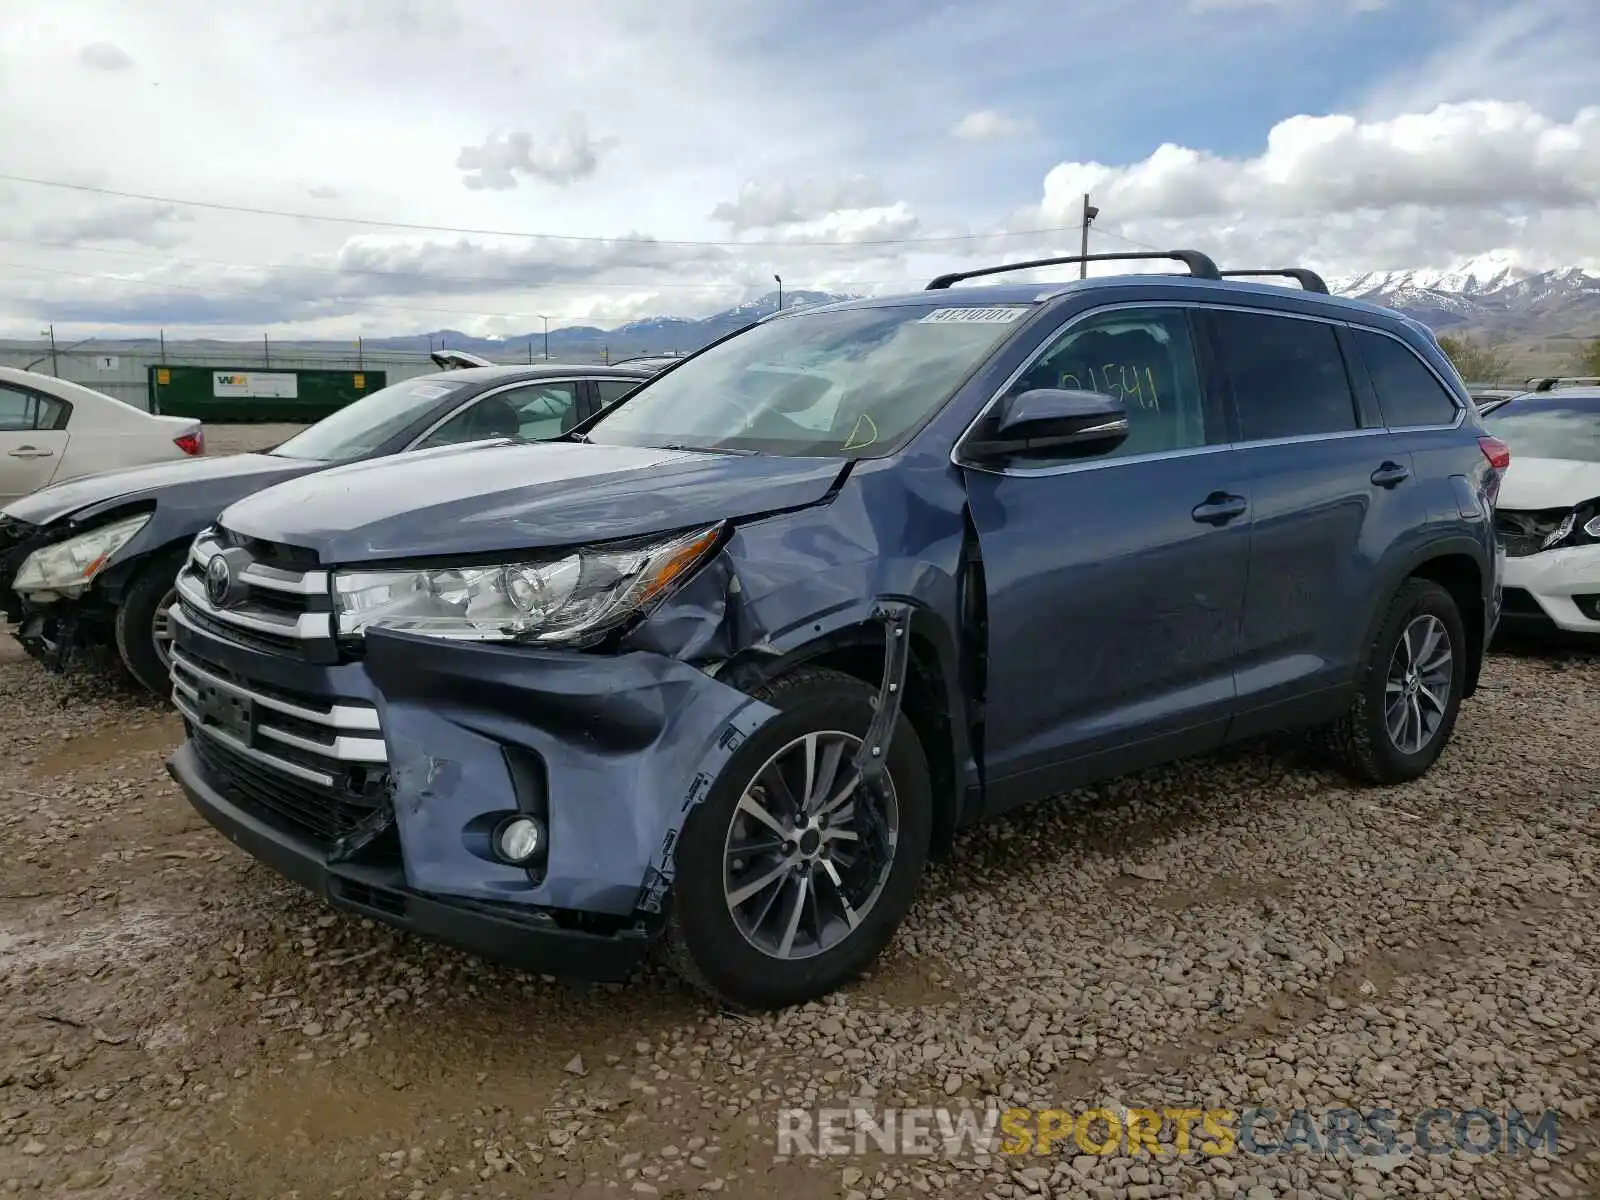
pixel 724 665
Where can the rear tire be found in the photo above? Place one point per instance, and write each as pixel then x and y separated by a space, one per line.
pixel 144 653
pixel 856 867
pixel 1398 721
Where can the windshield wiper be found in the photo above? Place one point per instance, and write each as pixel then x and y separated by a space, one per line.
pixel 707 449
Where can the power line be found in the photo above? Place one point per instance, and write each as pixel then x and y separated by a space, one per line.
pixel 517 233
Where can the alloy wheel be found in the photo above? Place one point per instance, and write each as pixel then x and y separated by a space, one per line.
pixel 1416 691
pixel 809 849
pixel 161 629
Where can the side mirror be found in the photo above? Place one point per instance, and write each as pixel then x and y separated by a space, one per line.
pixel 1054 421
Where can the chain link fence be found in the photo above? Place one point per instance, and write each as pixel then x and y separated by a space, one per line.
pixel 123 372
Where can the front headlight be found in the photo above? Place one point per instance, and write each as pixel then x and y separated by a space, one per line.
pixel 569 599
pixel 67 568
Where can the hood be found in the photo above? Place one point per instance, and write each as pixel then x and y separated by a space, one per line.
pixel 521 497
pixel 129 484
pixel 1536 483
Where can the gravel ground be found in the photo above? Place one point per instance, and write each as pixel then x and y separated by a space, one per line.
pixel 178 1022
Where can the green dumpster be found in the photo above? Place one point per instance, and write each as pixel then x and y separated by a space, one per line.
pixel 235 395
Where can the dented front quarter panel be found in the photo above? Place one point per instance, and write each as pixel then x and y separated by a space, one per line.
pixel 791 586
pixel 628 743
pixel 632 740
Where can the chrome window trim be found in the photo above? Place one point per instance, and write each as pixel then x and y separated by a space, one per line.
pixel 1461 412
pixel 416 442
pixel 1096 464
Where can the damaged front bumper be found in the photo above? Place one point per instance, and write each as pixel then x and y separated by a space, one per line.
pixel 58 633
pixel 64 633
pixel 379 783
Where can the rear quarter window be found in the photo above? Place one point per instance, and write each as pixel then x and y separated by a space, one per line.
pixel 1408 392
pixel 1288 375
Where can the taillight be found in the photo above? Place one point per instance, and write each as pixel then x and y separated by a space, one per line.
pixel 192 443
pixel 1496 451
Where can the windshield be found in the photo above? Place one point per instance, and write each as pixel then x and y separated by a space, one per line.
pixel 1545 426
pixel 358 429
pixel 848 383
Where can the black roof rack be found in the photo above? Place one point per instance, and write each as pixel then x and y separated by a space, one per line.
pixel 1200 265
pixel 1310 280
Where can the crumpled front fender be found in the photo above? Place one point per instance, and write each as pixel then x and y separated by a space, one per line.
pixel 621 746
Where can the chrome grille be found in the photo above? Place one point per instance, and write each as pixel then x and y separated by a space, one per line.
pixel 263 604
pixel 1525 533
pixel 318 765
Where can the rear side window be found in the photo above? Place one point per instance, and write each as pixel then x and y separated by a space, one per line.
pixel 612 390
pixel 1408 392
pixel 1289 377
pixel 25 412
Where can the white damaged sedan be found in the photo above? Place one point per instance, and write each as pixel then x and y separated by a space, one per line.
pixel 1548 516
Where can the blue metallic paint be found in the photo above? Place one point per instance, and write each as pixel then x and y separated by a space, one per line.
pixel 1120 631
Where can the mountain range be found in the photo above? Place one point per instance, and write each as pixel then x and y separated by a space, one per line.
pixel 1540 314
pixel 1488 297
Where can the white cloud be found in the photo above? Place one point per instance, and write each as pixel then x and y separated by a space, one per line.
pixel 138 222
pixel 987 125
pixel 772 126
pixel 761 205
pixel 567 155
pixel 1479 155
pixel 103 56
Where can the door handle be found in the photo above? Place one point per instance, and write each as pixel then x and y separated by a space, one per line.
pixel 1391 474
pixel 1219 508
pixel 29 452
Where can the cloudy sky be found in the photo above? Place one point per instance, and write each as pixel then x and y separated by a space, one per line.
pixel 335 167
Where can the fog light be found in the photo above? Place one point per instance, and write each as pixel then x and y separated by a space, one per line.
pixel 519 839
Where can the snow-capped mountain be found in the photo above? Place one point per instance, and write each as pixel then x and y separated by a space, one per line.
pixel 1492 293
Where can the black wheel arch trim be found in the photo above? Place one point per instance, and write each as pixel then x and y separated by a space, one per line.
pixel 931 647
pixel 1473 617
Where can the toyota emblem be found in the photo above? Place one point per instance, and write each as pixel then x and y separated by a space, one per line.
pixel 219 580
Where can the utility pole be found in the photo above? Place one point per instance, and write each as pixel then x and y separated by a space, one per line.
pixel 546 321
pixel 1090 212
pixel 361 355
pixel 779 278
pixel 55 366
pixel 266 350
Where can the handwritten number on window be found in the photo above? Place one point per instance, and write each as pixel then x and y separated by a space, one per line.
pixel 1127 383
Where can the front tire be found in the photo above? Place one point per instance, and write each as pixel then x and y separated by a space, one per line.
pixel 143 630
pixel 1409 694
pixel 789 879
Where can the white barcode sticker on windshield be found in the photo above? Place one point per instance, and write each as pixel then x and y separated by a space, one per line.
pixel 974 316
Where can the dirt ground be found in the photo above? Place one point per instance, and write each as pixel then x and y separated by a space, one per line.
pixel 177 1022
